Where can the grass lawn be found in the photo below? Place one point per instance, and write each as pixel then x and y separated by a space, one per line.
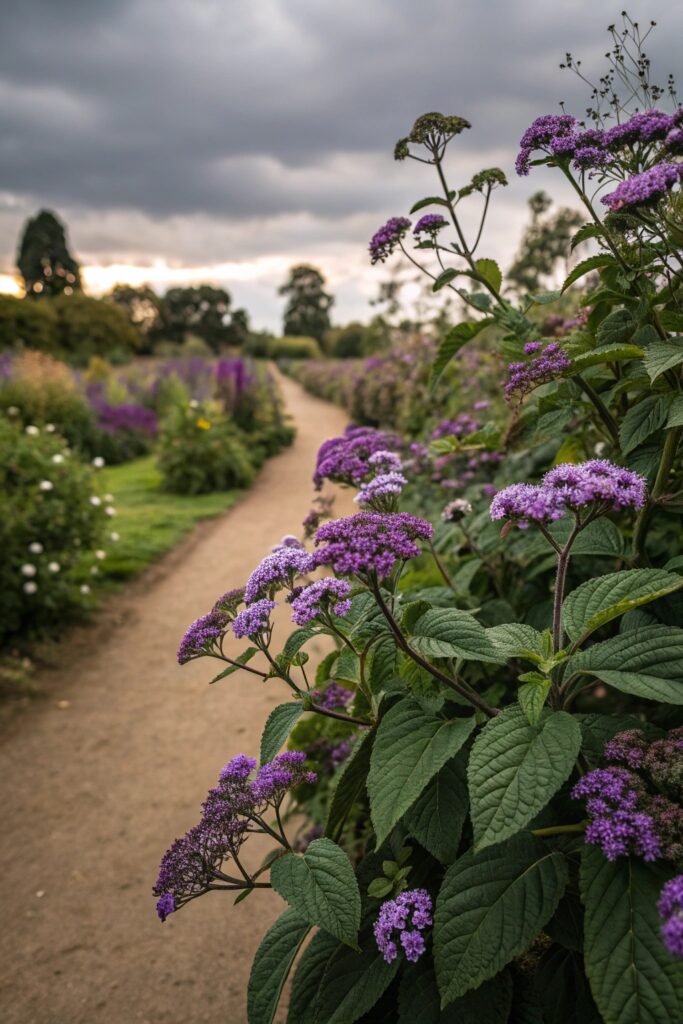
pixel 150 521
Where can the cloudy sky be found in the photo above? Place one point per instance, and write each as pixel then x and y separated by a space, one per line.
pixel 223 140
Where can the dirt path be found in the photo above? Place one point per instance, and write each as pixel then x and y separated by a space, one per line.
pixel 93 792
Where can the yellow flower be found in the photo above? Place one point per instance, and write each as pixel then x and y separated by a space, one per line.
pixel 203 424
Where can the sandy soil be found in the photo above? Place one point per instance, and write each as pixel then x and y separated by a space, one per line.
pixel 100 777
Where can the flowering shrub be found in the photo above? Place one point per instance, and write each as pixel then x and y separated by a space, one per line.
pixel 201 450
pixel 52 525
pixel 502 835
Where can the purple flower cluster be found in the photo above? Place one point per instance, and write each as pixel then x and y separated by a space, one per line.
pixel 320 596
pixel 554 133
pixel 456 510
pixel 374 493
pixel 329 755
pixel 670 907
pixel 335 696
pixel 370 542
pixel 461 426
pixel 548 361
pixel 201 637
pixel 386 238
pixel 193 863
pixel 346 459
pixel 647 187
pixel 597 483
pixel 408 915
pixel 613 797
pixel 253 619
pixel 385 462
pixel 126 417
pixel 644 127
pixel 430 224
pixel 277 570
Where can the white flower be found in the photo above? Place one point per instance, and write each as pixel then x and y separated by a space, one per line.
pixel 98 462
pixel 114 536
pixel 599 448
pixel 194 404
pixel 36 548
pixel 31 430
pixel 94 500
pixel 30 587
pixel 109 498
pixel 100 554
pixel 57 459
pixel 94 571
pixel 12 410
pixel 46 485
pixel 84 588
pixel 110 510
pixel 28 570
pixel 54 566
pixel 50 428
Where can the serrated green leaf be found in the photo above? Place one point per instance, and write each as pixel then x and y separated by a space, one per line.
pixel 451 633
pixel 515 768
pixel 645 662
pixel 410 748
pixel 279 724
pixel 616 328
pixel 608 354
pixel 272 964
pixel 308 976
pixel 353 983
pixel 321 886
pixel 633 978
pixel 428 201
pixel 490 908
pixel 531 696
pixel 297 639
pixel 642 420
pixel 544 298
pixel 585 266
pixel 584 234
pixel 604 598
pixel 380 887
pixel 241 659
pixel 517 640
pixel 675 418
pixel 444 278
pixel 438 815
pixel 349 785
pixel 454 340
pixel 490 272
pixel 662 356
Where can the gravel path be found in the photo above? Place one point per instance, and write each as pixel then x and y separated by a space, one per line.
pixel 98 779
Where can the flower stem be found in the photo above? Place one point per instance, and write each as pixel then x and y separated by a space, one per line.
pixel 558 830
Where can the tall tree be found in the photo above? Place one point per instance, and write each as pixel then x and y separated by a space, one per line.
pixel 545 243
pixel 44 260
pixel 204 311
pixel 141 306
pixel 308 305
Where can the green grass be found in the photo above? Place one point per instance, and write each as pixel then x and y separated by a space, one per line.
pixel 150 521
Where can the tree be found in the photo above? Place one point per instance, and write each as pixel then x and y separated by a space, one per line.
pixel 308 306
pixel 544 243
pixel 203 310
pixel 141 305
pixel 44 260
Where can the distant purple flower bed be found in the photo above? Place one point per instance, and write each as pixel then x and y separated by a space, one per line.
pixel 126 416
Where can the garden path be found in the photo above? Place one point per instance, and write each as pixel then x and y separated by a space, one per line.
pixel 112 766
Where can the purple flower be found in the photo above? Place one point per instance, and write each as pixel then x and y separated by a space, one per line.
pixel 319 596
pixel 370 542
pixel 551 362
pixel 335 696
pixel 385 485
pixel 613 798
pixel 253 619
pixel 346 459
pixel 385 462
pixel 628 747
pixel 408 915
pixel 385 240
pixel 284 771
pixel 647 187
pixel 597 481
pixel 525 504
pixel 670 907
pixel 554 133
pixel 277 570
pixel 645 126
pixel 200 638
pixel 165 906
pixel 456 510
pixel 230 600
pixel 430 224
pixel 461 426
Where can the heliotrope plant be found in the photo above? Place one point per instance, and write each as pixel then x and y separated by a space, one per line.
pixel 488 763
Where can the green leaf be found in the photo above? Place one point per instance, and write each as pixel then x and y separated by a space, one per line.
pixel 545 298
pixel 272 964
pixel 438 815
pixel 241 659
pixel 350 784
pixel 419 1002
pixel 517 640
pixel 616 328
pixel 353 983
pixel 675 418
pixel 601 537
pixel 279 724
pixel 585 266
pixel 585 233
pixel 491 907
pixel 451 633
pixel 671 321
pixel 490 272
pixel 515 768
pixel 563 988
pixel 604 598
pixel 608 354
pixel 644 662
pixel 642 420
pixel 662 356
pixel 633 978
pixel 321 886
pixel 410 748
pixel 444 278
pixel 428 201
pixel 308 976
pixel 380 887
pixel 297 639
pixel 531 696
pixel 452 343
